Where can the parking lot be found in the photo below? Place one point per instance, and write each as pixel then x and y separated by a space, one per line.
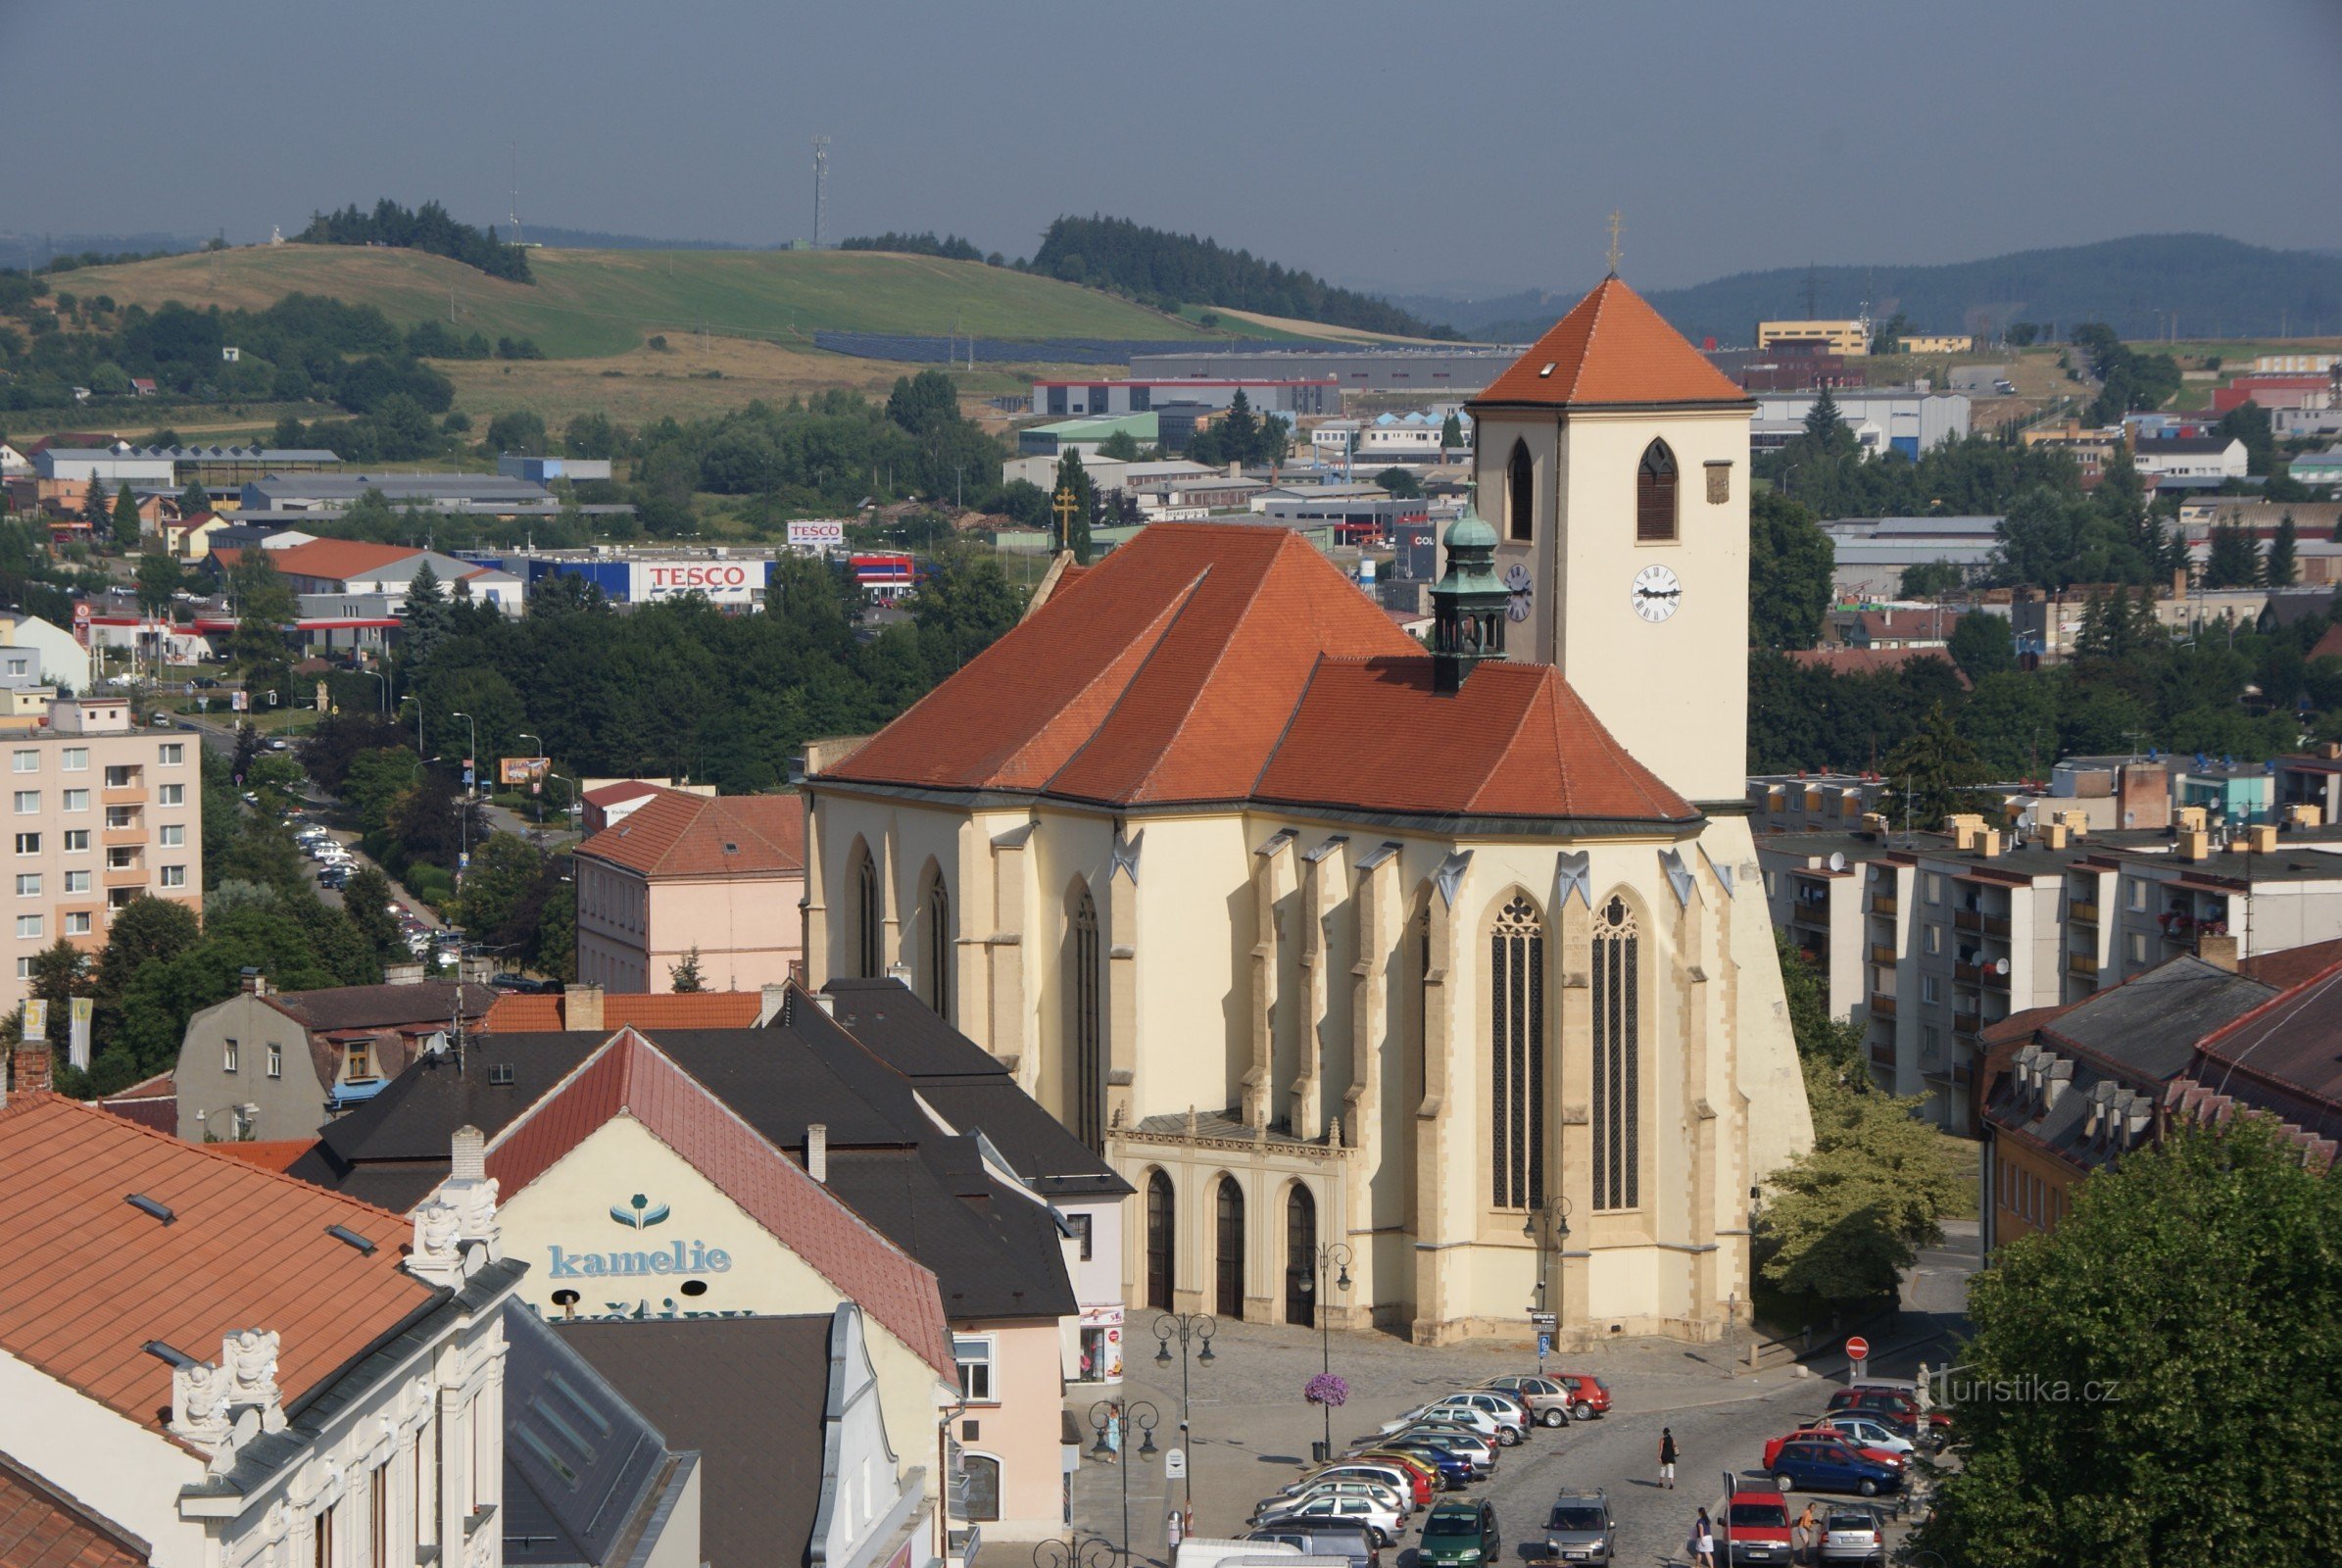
pixel 1252 1433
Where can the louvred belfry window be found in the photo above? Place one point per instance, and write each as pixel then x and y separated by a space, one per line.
pixel 1655 495
pixel 1618 1048
pixel 1517 1051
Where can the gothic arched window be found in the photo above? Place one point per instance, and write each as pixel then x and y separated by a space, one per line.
pixel 868 957
pixel 1084 1046
pixel 1517 1054
pixel 1655 494
pixel 1618 1050
pixel 1520 494
pixel 939 948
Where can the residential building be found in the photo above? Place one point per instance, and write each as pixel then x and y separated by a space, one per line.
pixel 1843 661
pixel 1107 398
pixel 32 650
pixel 608 802
pixel 1207 810
pixel 2204 461
pixel 2091 448
pixel 1850 339
pixel 256 1371
pixel 2306 424
pixel 2069 1090
pixel 1913 420
pixel 101 814
pixel 2112 792
pixel 1812 802
pixel 269 1063
pixel 1904 625
pixel 682 876
pixel 2230 795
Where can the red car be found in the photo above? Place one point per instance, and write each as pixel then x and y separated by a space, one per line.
pixel 1884 1456
pixel 1589 1395
pixel 1758 1528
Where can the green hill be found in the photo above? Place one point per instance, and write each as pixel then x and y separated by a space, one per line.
pixel 594 303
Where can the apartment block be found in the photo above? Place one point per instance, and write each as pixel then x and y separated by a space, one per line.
pixel 99 812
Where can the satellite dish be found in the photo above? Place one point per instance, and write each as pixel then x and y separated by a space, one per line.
pixel 2000 966
pixel 1837 861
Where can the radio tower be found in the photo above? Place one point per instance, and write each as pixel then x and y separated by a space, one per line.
pixel 820 184
pixel 515 239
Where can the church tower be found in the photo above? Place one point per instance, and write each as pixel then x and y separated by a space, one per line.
pixel 1620 455
pixel 1468 604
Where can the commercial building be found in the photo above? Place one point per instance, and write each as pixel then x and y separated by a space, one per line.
pixel 272 1064
pixel 2191 462
pixel 1264 903
pixel 108 466
pixel 1910 421
pixel 1874 553
pixel 2323 470
pixel 1848 338
pixel 1057 399
pixel 1084 436
pixel 2067 1092
pixel 101 814
pixel 204 1364
pixel 733 578
pixel 1936 343
pixel 1437 371
pixel 280 496
pixel 687 877
pixel 545 471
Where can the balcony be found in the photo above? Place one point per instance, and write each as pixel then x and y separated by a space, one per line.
pixel 1884 952
pixel 1968 1026
pixel 1883 1006
pixel 2082 964
pixel 1812 912
pixel 1966 973
pixel 2082 909
pixel 1996 925
pixel 123 795
pixel 125 876
pixel 1883 1054
pixel 123 838
pixel 1969 919
pixel 1886 904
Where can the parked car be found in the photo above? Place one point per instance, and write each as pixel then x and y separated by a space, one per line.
pixel 1410 1483
pixel 1381 1522
pixel 1549 1399
pixel 1205 1551
pixel 1899 1404
pixel 1828 1434
pixel 1510 1414
pixel 1460 1535
pixel 1854 1534
pixel 1453 1470
pixel 161 722
pixel 1870 1432
pixel 1589 1395
pixel 1477 1447
pixel 1379 1492
pixel 1458 1411
pixel 1580 1530
pixel 1319 1545
pixel 1820 1464
pixel 1757 1527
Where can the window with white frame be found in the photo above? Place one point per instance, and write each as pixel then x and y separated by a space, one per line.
pixel 172 754
pixel 1930 988
pixel 2134 892
pixel 974 1359
pixel 276 1059
pixel 174 877
pixel 28 927
pixel 28 803
pixel 77 841
pixel 1934 936
pixel 75 759
pixel 28 885
pixel 228 1055
pixel 121 776
pixel 29 844
pixel 1934 887
pixel 77 881
pixel 24 968
pixel 26 761
pixel 77 923
pixel 77 800
pixel 171 835
pixel 172 795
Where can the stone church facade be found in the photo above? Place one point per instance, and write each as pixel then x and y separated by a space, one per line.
pixel 1361 962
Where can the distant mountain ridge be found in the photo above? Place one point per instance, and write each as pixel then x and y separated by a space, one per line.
pixel 2215 286
pixel 26 252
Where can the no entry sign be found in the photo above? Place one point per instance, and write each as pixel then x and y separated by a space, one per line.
pixel 1858 1348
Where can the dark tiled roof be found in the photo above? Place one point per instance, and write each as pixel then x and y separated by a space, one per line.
pixel 425 1001
pixel 994 1249
pixel 2151 1022
pixel 749 1395
pixel 41 1526
pixel 583 1468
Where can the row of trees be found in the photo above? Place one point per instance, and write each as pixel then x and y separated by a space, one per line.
pixel 950 247
pixel 428 228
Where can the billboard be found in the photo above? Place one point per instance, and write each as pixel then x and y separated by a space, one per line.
pixel 726 582
pixel 522 770
pixel 817 534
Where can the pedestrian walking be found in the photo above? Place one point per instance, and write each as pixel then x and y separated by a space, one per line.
pixel 1113 1434
pixel 1175 1530
pixel 1703 1542
pixel 1802 1545
pixel 1667 1457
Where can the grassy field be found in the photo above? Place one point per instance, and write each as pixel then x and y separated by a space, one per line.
pixel 597 303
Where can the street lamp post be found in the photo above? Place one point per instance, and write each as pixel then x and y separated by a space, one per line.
pixel 1193 1330
pixel 1548 1224
pixel 1332 1257
pixel 471 768
pixel 1134 1413
pixel 539 755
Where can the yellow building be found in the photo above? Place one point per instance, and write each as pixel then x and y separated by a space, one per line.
pixel 1849 338
pixel 1941 343
pixel 1457 962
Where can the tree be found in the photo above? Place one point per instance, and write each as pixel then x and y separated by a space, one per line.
pixel 1826 426
pixel 517 430
pixel 962 608
pixel 58 971
pixel 1843 1220
pixel 1451 435
pixel 196 500
pixel 1121 446
pixel 1239 429
pixel 159 579
pixel 2249 422
pixel 423 618
pixel 264 609
pixel 2281 566
pixel 95 509
pixel 683 973
pixel 366 899
pixel 146 930
pixel 1983 644
pixel 2080 1406
pixel 2235 560
pixel 1073 530
pixel 1791 563
pixel 1932 774
pixel 1930 578
pixel 1829 1049
pixel 1400 482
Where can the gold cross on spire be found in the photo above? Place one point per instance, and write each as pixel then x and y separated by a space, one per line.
pixel 1616 223
pixel 1067 504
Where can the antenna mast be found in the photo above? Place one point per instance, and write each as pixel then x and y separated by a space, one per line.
pixel 515 193
pixel 820 186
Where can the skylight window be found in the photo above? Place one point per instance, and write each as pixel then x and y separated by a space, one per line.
pixel 147 1205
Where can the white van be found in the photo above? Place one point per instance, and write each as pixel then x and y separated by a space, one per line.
pixel 1205 1551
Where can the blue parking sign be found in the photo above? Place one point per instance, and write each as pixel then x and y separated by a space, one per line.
pixel 1545 1344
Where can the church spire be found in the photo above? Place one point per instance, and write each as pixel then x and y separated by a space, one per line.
pixel 1468 604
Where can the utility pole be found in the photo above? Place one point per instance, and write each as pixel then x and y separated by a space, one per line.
pixel 820 186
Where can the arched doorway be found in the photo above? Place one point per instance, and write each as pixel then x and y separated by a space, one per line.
pixel 1301 1258
pixel 1159 1232
pixel 1228 1255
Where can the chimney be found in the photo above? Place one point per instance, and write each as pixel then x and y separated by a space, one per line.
pixel 582 1008
pixel 31 1060
pixel 2219 951
pixel 1988 842
pixel 817 1151
pixel 2307 815
pixel 255 983
pixel 2077 824
pixel 2195 843
pixel 2261 838
pixel 827 1003
pixel 1965 827
pixel 2191 819
pixel 1875 825
pixel 468 1155
pixel 771 1001
pixel 2053 835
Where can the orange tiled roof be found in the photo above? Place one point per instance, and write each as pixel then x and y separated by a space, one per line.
pixel 338 558
pixel 2328 646
pixel 1612 348
pixel 548 1013
pixel 41 1526
pixel 631 1076
pixel 86 1280
pixel 268 1154
pixel 704 835
pixel 1207 662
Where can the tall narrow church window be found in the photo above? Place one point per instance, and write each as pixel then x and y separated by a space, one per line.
pixel 867 958
pixel 1618 1050
pixel 1161 1274
pixel 1520 494
pixel 1517 1068
pixel 1082 1043
pixel 1228 1252
pixel 1655 494
pixel 1423 1004
pixel 939 948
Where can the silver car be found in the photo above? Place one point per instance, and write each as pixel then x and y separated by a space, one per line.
pixel 1854 1534
pixel 1547 1399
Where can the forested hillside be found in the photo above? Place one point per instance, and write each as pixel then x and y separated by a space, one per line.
pixel 428 228
pixel 1167 271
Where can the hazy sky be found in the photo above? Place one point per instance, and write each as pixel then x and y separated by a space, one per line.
pixel 1447 145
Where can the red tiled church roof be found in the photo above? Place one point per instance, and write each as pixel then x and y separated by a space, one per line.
pixel 630 1076
pixel 1612 348
pixel 1204 662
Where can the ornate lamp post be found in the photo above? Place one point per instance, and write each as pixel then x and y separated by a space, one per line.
pixel 1135 1413
pixel 1548 1225
pixel 1078 1551
pixel 1194 1331
pixel 1333 1258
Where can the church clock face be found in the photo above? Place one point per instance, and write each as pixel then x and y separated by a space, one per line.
pixel 1519 592
pixel 1657 593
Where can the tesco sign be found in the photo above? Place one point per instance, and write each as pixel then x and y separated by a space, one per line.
pixel 726 582
pixel 816 533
